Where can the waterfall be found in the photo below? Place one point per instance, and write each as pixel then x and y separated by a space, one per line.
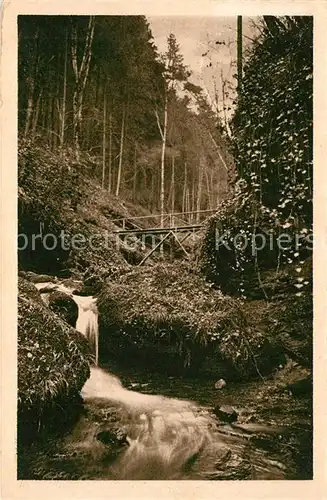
pixel 87 320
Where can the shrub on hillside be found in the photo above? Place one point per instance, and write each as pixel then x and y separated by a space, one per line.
pixel 247 248
pixel 272 127
pixel 53 196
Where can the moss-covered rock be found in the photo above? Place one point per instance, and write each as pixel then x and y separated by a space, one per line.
pixel 171 319
pixel 53 363
pixel 63 305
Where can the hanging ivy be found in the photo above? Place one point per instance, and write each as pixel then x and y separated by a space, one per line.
pixel 272 146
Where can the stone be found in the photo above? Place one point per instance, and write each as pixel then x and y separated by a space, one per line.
pixel 112 438
pixel 301 387
pixel 220 384
pixel 63 305
pixel 226 413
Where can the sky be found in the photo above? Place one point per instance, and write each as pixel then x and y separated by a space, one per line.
pixel 197 38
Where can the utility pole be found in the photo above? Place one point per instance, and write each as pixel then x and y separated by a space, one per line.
pixel 239 55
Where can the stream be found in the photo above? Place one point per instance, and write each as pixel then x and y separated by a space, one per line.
pixel 148 426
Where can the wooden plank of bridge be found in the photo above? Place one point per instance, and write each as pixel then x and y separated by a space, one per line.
pixel 180 244
pixel 160 230
pixel 155 248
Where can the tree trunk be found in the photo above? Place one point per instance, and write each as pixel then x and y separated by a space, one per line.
pixel 135 172
pixel 36 115
pixel 104 139
pixel 63 108
pixel 163 150
pixel 152 191
pixel 187 204
pixel 29 110
pixel 81 74
pixel 31 84
pixel 208 189
pixel 193 197
pixel 239 55
pixel 110 156
pixel 223 93
pixel 184 189
pixel 173 184
pixel 199 195
pixel 121 150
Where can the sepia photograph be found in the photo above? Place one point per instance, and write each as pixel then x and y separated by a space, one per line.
pixel 165 247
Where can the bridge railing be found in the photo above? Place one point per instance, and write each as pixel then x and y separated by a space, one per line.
pixel 169 219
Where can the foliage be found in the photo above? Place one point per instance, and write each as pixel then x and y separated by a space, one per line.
pixel 46 182
pixel 70 202
pixel 247 248
pixel 171 306
pixel 272 145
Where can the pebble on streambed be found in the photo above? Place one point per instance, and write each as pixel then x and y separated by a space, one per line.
pixel 220 384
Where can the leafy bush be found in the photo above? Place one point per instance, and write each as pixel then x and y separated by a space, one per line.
pixel 234 257
pixel 49 183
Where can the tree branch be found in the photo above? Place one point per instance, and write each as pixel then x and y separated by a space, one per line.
pixel 218 151
pixel 158 123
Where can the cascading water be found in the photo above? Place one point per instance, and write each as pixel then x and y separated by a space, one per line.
pixel 87 321
pixel 163 433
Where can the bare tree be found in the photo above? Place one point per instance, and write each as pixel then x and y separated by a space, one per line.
pixel 121 151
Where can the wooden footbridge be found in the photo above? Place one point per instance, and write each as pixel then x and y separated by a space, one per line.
pixel 163 227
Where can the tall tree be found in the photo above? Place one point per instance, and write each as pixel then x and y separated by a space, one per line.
pixel 175 71
pixel 81 72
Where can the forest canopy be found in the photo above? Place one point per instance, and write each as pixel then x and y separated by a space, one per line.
pixel 98 86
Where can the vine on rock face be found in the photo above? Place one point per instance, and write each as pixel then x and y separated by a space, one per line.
pixel 272 145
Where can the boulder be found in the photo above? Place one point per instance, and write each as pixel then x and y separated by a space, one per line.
pixel 63 305
pixel 301 387
pixel 226 413
pixel 37 278
pixel 112 437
